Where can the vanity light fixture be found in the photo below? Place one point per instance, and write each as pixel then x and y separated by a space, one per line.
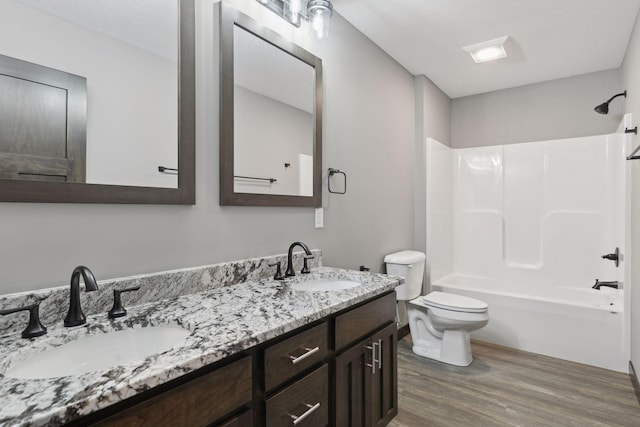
pixel 316 12
pixel 487 51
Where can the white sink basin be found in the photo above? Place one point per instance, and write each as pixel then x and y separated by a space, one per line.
pixel 325 285
pixel 98 352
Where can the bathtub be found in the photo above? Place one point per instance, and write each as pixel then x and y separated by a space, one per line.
pixel 579 324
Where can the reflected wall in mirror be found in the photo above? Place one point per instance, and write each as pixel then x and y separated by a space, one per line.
pixel 270 129
pixel 105 96
pixel 273 118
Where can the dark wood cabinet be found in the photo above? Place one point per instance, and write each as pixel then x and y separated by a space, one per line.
pixel 366 381
pixel 243 420
pixel 199 402
pixel 359 322
pixel 384 384
pixel 294 355
pixel 304 403
pixel 352 380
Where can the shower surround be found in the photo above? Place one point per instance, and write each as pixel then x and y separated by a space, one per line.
pixel 523 227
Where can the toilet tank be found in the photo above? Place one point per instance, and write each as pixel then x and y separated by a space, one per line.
pixel 410 265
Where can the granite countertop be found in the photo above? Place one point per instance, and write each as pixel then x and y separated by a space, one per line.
pixel 222 322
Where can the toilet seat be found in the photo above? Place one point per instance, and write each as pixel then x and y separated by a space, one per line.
pixel 453 302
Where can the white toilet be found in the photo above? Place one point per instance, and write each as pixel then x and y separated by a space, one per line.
pixel 439 322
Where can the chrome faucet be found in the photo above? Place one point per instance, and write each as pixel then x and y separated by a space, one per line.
pixel 75 316
pixel 290 272
pixel 614 284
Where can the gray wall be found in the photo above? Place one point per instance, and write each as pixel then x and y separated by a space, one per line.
pixel 631 79
pixel 433 120
pixel 368 132
pixel 555 109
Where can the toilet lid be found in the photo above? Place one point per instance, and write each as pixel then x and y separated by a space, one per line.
pixel 454 302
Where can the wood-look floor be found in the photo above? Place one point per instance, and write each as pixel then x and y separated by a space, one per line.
pixel 507 387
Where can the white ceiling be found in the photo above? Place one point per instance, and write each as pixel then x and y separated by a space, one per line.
pixel 549 39
pixel 151 25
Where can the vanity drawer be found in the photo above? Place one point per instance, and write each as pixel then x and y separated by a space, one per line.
pixel 306 399
pixel 361 321
pixel 198 402
pixel 295 354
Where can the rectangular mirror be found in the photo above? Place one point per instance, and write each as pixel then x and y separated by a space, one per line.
pixel 97 101
pixel 271 117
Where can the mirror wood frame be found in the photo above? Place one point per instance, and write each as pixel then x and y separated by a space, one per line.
pixel 60 192
pixel 229 18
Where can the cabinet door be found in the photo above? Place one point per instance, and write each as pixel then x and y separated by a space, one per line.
pixel 384 390
pixel 352 386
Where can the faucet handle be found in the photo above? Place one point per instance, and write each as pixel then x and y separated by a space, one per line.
pixel 34 328
pixel 278 275
pixel 305 267
pixel 118 310
pixel 616 257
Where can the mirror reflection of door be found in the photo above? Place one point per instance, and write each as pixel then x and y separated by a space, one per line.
pixel 273 119
pixel 42 123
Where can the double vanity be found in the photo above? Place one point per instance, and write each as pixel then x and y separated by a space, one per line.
pixel 235 348
pixel 226 344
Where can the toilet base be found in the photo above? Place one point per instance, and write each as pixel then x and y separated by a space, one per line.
pixel 443 335
pixel 453 349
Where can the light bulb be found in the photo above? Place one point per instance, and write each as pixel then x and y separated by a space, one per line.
pixel 292 9
pixel 295 6
pixel 489 54
pixel 319 14
pixel 320 23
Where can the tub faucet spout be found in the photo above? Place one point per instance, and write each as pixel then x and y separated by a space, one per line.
pixel 614 284
pixel 290 272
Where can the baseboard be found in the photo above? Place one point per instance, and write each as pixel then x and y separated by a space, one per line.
pixel 634 381
pixel 403 331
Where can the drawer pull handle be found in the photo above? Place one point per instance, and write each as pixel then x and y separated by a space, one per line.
pixel 312 409
pixel 380 354
pixel 309 352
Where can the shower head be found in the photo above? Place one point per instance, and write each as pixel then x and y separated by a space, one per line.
pixel 604 107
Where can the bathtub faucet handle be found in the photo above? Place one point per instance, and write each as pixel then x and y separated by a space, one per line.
pixel 615 257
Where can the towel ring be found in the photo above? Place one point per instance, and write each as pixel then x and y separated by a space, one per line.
pixel 333 172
